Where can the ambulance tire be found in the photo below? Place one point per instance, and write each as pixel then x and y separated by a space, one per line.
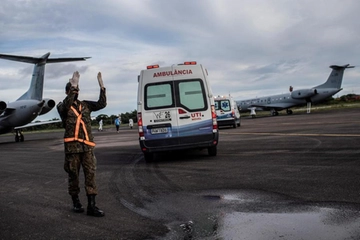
pixel 212 151
pixel 149 157
pixel 234 125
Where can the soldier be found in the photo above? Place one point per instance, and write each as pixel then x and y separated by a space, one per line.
pixel 79 144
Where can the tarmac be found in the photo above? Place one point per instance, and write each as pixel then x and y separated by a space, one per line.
pixel 283 177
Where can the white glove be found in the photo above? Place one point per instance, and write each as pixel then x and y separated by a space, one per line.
pixel 75 79
pixel 101 83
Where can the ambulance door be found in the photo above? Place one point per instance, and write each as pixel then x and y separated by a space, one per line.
pixel 159 117
pixel 194 113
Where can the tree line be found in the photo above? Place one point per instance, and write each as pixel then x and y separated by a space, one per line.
pixel 124 117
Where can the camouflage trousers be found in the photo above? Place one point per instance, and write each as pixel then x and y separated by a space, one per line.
pixel 73 162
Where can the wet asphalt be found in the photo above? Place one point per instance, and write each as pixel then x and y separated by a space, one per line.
pixel 284 177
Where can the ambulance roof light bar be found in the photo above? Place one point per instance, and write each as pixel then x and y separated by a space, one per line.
pixel 190 63
pixel 152 66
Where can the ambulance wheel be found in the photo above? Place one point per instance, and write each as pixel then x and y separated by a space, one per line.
pixel 149 157
pixel 234 125
pixel 239 123
pixel 212 151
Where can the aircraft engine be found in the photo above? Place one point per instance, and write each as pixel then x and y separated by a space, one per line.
pixel 48 105
pixel 303 93
pixel 3 106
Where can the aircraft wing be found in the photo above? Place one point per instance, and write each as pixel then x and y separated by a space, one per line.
pixel 35 60
pixel 7 112
pixel 19 58
pixel 37 123
pixel 56 60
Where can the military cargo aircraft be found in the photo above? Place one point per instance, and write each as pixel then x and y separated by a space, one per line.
pixel 19 114
pixel 299 97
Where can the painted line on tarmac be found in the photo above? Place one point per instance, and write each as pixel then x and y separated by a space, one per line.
pixel 297 134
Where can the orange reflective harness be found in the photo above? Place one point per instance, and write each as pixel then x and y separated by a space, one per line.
pixel 79 122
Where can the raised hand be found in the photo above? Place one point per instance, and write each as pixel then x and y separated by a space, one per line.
pixel 101 83
pixel 75 79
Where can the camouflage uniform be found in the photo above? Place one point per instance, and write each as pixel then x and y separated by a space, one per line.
pixel 79 148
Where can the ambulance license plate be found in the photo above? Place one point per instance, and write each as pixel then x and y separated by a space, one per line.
pixel 159 130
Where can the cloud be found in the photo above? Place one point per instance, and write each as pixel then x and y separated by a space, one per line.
pixel 250 47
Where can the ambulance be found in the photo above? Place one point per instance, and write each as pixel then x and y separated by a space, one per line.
pixel 227 111
pixel 175 107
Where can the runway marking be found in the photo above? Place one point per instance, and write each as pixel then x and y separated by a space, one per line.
pixel 296 134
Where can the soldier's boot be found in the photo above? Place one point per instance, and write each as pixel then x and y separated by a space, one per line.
pixel 77 207
pixel 92 210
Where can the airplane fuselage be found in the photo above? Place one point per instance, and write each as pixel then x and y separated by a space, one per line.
pixel 19 113
pixel 284 101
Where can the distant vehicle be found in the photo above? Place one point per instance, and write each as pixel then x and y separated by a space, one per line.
pixel 19 114
pixel 176 109
pixel 299 97
pixel 227 112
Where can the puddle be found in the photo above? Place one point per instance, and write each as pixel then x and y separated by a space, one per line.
pixel 320 225
pixel 286 220
pixel 258 215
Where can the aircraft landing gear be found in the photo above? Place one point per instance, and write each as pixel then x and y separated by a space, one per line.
pixel 19 137
pixel 308 107
pixel 253 113
pixel 274 113
pixel 288 111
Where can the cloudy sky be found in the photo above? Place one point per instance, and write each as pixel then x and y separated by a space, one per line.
pixel 251 48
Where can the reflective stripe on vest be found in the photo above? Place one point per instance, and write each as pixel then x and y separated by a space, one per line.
pixel 79 122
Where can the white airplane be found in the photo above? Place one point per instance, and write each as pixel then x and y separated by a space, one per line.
pixel 300 97
pixel 20 113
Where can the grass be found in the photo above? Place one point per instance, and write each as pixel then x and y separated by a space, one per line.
pixel 314 108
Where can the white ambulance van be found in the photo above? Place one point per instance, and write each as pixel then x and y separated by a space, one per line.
pixel 227 112
pixel 176 110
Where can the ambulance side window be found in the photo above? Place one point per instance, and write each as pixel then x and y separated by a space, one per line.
pixel 158 96
pixel 191 95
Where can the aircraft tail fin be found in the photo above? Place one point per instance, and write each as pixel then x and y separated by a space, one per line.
pixel 335 78
pixel 35 90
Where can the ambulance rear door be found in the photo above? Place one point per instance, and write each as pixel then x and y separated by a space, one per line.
pixel 160 115
pixel 192 102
